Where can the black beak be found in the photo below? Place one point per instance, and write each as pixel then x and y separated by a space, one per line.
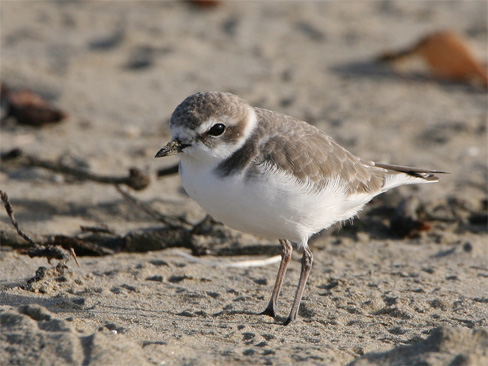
pixel 172 148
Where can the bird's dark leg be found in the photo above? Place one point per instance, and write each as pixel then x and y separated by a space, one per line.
pixel 307 260
pixel 286 249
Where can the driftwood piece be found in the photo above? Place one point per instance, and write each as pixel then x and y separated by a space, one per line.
pixel 141 240
pixel 98 244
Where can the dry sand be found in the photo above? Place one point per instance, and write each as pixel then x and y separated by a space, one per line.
pixel 120 68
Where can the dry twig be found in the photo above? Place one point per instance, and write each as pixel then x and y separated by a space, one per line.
pixel 136 179
pixel 10 213
pixel 34 249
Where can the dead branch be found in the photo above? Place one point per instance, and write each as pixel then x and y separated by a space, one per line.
pixel 136 180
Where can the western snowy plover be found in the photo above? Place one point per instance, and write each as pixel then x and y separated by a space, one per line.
pixel 272 175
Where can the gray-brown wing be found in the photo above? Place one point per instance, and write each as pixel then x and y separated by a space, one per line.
pixel 311 156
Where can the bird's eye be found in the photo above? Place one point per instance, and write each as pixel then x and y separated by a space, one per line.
pixel 217 129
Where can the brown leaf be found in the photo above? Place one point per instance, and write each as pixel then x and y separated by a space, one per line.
pixel 447 55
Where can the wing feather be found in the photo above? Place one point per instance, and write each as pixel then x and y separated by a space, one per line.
pixel 312 157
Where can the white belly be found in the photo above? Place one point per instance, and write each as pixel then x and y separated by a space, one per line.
pixel 273 206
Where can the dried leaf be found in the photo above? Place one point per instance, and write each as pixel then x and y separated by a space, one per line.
pixel 447 55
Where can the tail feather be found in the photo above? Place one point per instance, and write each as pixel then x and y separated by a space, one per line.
pixel 426 174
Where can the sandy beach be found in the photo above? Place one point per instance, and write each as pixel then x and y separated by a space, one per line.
pixel 118 70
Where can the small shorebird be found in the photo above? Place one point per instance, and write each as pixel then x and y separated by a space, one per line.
pixel 273 176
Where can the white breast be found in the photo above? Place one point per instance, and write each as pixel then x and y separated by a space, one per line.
pixel 272 205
